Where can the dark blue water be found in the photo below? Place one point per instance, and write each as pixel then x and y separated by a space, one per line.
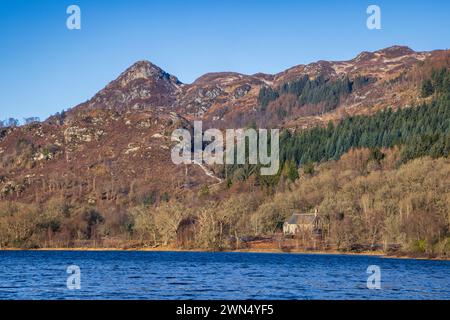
pixel 192 275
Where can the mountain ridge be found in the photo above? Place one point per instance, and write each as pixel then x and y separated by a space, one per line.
pixel 225 95
pixel 121 136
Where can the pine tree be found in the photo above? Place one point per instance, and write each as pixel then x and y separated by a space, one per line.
pixel 427 88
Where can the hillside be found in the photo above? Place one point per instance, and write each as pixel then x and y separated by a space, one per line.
pixel 121 136
pixel 104 165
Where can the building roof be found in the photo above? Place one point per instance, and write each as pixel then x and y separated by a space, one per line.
pixel 302 218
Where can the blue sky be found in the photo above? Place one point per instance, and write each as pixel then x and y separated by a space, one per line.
pixel 44 67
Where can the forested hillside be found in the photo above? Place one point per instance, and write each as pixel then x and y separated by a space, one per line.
pixel 422 130
pixel 377 174
pixel 316 91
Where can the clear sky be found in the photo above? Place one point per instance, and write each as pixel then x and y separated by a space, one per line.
pixel 44 67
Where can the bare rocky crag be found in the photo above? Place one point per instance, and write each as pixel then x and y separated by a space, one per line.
pixel 115 147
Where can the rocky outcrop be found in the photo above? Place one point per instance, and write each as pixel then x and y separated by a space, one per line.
pixel 141 85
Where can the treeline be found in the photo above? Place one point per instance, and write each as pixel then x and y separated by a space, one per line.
pixel 13 122
pixel 438 83
pixel 422 131
pixel 314 91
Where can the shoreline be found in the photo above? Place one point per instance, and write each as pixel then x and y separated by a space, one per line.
pixel 252 250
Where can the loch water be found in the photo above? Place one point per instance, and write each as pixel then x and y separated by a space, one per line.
pixel 216 275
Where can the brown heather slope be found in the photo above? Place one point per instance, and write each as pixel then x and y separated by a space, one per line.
pixel 96 156
pixel 114 149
